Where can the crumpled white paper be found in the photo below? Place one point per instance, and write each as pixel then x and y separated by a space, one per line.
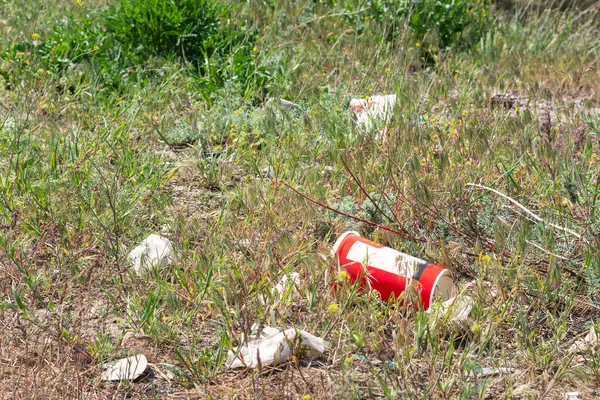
pixel 129 368
pixel 285 283
pixel 375 111
pixel 272 348
pixel 453 311
pixel 154 252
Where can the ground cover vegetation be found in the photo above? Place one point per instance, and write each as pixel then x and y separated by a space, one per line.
pixel 123 118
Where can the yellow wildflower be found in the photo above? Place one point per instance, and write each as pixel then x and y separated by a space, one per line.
pixel 41 71
pixel 333 308
pixel 418 44
pixel 79 2
pixel 35 36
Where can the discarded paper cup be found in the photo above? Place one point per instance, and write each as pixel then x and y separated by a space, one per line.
pixel 390 272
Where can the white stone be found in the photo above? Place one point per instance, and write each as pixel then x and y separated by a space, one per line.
pixel 588 342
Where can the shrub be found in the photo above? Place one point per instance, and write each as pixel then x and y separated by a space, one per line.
pixel 442 24
pixel 117 42
pixel 436 24
pixel 184 28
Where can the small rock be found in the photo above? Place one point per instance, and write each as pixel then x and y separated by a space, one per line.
pixel 588 342
pixel 484 372
pixel 131 339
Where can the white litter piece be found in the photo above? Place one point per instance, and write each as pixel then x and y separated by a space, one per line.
pixel 154 252
pixel 285 284
pixel 571 396
pixel 376 110
pixel 272 348
pixel 129 368
pixel 454 310
pixel 588 342
pixel 485 372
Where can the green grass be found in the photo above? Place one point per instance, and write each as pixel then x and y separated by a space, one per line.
pixel 98 152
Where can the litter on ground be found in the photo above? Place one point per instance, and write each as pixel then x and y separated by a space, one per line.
pixel 129 368
pixel 272 347
pixel 375 111
pixel 154 252
pixel 287 284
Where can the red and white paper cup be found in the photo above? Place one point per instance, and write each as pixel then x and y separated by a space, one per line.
pixel 389 271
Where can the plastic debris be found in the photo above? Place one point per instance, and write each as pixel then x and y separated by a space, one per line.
pixel 571 396
pixel 287 284
pixel 375 109
pixel 272 348
pixel 455 310
pixel 390 272
pixel 588 342
pixel 154 252
pixel 485 372
pixel 129 368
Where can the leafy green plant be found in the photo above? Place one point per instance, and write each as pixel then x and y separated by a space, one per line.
pixel 441 24
pixel 163 28
pixel 435 24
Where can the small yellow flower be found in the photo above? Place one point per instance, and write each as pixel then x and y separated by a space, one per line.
pixel 476 328
pixel 343 275
pixel 517 110
pixel 41 71
pixel 565 202
pixel 20 54
pixel 79 2
pixel 485 259
pixel 418 44
pixel 367 98
pixel 333 308
pixel 48 72
pixel 306 397
pixel 255 49
pixel 95 48
pixel 35 36
pixel 388 70
pixel 348 360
